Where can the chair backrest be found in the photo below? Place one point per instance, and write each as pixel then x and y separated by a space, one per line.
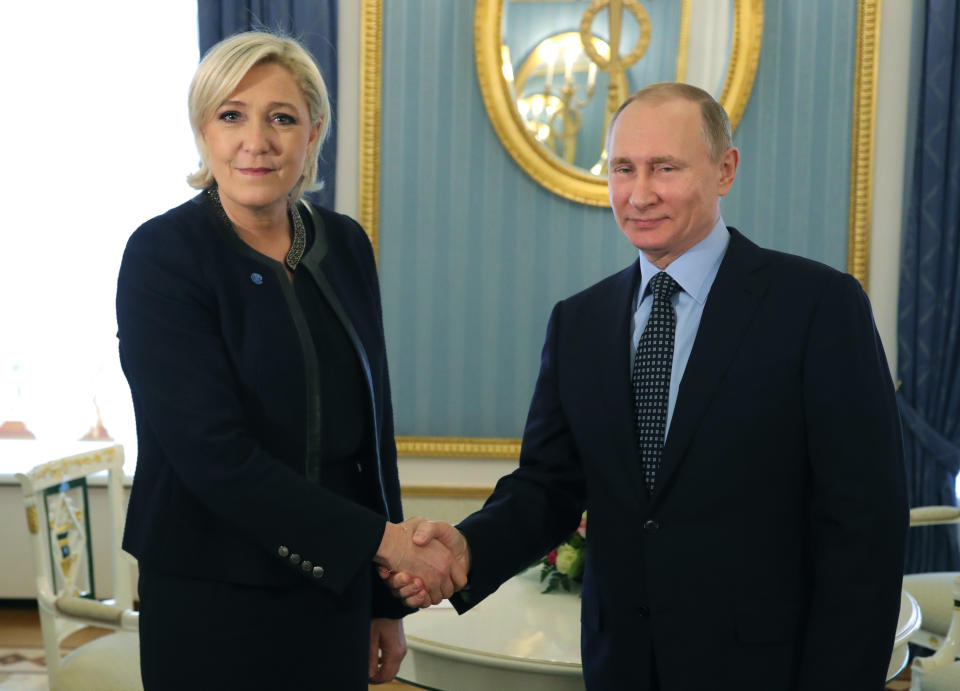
pixel 58 510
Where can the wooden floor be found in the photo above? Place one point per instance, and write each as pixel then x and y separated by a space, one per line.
pixel 20 628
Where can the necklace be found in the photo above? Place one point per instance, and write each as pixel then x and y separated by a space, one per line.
pixel 297 245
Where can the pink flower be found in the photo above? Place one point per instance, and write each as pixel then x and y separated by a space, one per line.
pixel 552 558
pixel 582 530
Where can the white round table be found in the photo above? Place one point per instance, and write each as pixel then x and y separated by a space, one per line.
pixel 908 623
pixel 519 638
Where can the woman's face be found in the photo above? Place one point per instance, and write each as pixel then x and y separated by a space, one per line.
pixel 257 140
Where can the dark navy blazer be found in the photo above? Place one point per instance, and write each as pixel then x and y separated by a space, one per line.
pixel 769 555
pixel 223 374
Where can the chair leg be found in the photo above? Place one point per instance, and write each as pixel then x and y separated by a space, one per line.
pixel 51 646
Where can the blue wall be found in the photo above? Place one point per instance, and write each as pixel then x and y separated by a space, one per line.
pixel 474 253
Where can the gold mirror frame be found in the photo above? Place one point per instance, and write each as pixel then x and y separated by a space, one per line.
pixel 368 180
pixel 550 171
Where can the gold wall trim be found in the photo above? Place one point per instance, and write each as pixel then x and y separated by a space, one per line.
pixel 861 155
pixel 683 45
pixel 459 447
pixel 371 56
pixel 445 492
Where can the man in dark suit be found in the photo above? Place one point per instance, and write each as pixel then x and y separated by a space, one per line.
pixel 726 416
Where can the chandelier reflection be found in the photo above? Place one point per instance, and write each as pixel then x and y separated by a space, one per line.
pixel 554 87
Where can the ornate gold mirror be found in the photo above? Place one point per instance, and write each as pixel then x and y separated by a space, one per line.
pixel 553 71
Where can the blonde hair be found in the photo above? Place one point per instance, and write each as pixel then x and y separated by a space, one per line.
pixel 224 67
pixel 715 127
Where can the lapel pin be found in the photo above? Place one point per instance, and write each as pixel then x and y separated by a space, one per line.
pixel 256 278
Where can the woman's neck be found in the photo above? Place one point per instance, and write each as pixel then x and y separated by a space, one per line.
pixel 266 223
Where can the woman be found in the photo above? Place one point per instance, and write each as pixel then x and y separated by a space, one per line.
pixel 250 332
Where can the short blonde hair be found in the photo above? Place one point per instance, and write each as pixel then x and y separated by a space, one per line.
pixel 224 67
pixel 715 125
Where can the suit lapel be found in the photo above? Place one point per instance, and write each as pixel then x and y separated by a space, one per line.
pixel 612 373
pixel 730 307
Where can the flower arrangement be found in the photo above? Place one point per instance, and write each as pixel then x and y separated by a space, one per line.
pixel 565 563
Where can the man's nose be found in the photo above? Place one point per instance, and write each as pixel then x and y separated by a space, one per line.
pixel 642 194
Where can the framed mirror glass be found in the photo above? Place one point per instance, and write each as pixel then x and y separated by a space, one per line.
pixel 552 72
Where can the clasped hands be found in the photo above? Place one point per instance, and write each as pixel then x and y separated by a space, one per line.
pixel 423 562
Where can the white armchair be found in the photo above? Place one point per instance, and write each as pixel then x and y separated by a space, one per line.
pixel 938 595
pixel 58 519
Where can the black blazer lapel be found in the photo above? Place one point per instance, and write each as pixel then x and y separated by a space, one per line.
pixel 730 307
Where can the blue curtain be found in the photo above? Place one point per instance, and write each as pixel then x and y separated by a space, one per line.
pixel 929 310
pixel 313 23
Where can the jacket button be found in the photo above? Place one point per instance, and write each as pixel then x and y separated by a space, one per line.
pixel 318 572
pixel 294 559
pixel 651 526
pixel 283 552
pixel 359 467
pixel 643 611
pixel 306 565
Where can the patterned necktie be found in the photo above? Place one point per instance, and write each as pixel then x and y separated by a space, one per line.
pixel 651 375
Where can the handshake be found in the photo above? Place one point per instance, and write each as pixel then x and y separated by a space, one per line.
pixel 423 562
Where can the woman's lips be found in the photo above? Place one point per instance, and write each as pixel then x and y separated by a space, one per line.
pixel 255 172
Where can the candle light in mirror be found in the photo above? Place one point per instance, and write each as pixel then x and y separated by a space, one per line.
pixel 548 55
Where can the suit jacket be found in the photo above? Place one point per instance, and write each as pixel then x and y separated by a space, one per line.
pixel 769 555
pixel 223 374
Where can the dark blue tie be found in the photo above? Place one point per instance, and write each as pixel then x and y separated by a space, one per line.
pixel 651 375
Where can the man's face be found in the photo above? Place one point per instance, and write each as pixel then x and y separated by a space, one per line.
pixel 664 189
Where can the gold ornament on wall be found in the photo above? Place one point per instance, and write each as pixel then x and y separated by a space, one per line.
pixel 547 131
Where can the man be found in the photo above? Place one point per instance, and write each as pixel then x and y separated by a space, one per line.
pixel 760 545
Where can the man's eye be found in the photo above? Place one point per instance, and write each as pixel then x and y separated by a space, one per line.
pixel 229 116
pixel 665 169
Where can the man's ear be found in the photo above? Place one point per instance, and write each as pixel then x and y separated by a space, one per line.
pixel 728 170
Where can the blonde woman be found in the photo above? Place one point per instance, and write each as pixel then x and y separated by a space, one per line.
pixel 250 332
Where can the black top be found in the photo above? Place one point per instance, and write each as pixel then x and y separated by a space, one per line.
pixel 343 409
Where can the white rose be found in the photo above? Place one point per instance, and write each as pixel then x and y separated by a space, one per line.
pixel 568 560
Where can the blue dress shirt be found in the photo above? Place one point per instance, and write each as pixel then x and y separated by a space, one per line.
pixel 695 271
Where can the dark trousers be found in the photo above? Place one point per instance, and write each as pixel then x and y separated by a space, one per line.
pixel 208 635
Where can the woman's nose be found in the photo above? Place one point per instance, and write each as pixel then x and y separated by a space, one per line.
pixel 256 138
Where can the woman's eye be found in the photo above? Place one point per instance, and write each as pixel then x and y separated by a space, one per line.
pixel 285 119
pixel 229 116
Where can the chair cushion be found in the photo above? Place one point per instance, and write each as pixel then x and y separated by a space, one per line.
pixel 109 663
pixel 934 594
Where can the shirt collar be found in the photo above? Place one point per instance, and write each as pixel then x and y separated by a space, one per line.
pixel 695 268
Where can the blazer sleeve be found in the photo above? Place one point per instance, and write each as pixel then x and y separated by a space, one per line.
pixel 858 515
pixel 181 378
pixel 533 508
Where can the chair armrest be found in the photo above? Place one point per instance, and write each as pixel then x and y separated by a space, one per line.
pixel 91 610
pixel 934 515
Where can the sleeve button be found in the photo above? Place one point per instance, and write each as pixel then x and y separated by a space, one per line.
pixel 318 572
pixel 306 565
pixel 283 551
pixel 294 559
